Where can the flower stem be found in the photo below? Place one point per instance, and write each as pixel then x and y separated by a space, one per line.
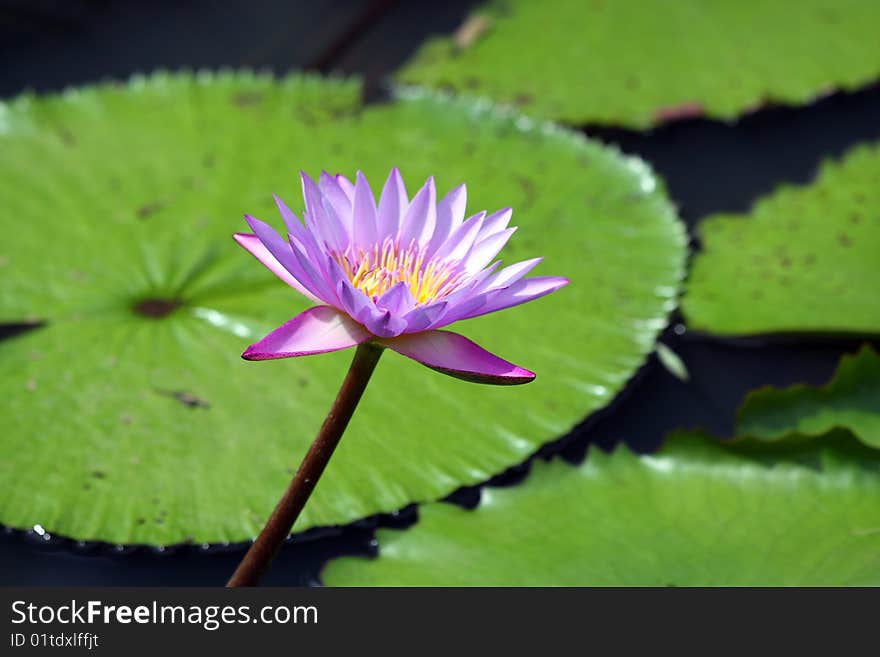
pixel 267 544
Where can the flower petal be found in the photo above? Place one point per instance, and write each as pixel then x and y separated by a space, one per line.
pixel 462 239
pixel 421 318
pixel 392 205
pixel 455 355
pixel 257 249
pixel 363 214
pixel 346 185
pixel 334 194
pixel 399 299
pixel 450 214
pixel 288 257
pixel 508 275
pixel 494 223
pixel 291 221
pixel 315 331
pixel 484 250
pixel 524 290
pixel 421 217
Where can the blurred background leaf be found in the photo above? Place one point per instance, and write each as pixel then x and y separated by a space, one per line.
pixel 637 63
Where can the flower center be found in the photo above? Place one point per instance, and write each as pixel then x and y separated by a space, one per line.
pixel 377 270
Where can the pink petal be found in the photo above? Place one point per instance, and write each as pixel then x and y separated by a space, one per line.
pixel 399 299
pixel 257 249
pixel 289 257
pixel 462 239
pixel 484 250
pixel 363 219
pixel 392 205
pixel 509 275
pixel 524 290
pixel 334 194
pixel 450 214
pixel 421 217
pixel 323 220
pixel 315 331
pixel 457 356
pixel 495 222
pixel 423 317
pixel 291 221
pixel 346 185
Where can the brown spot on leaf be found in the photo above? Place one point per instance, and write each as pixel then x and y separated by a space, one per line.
pixel 156 308
pixel 528 188
pixel 475 26
pixel 66 137
pixel 148 209
pixel 188 399
pixel 844 240
pixel 676 112
pixel 247 98
pixel 99 474
pixel 522 99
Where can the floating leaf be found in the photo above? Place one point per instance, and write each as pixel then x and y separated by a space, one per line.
pixel 850 400
pixel 698 513
pixel 806 259
pixel 637 63
pixel 130 416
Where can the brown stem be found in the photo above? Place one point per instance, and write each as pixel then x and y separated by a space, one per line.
pixel 278 527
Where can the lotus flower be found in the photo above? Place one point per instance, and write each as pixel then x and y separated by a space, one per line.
pixel 393 274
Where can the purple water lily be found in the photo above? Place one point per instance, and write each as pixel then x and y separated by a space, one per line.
pixel 393 274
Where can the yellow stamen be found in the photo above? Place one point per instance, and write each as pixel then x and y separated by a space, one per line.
pixel 377 270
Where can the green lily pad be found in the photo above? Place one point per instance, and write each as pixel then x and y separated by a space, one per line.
pixel 133 428
pixel 697 513
pixel 637 63
pixel 804 260
pixel 850 400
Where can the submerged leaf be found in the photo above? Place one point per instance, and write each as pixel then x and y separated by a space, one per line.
pixel 850 400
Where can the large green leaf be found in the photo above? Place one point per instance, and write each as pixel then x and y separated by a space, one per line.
pixel 806 259
pixel 697 513
pixel 129 428
pixel 638 62
pixel 851 400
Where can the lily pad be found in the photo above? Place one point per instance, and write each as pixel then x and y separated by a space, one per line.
pixel 850 400
pixel 130 416
pixel 638 63
pixel 805 259
pixel 698 513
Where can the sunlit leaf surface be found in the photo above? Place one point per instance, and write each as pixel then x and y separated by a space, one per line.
pixel 805 259
pixel 138 429
pixel 696 513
